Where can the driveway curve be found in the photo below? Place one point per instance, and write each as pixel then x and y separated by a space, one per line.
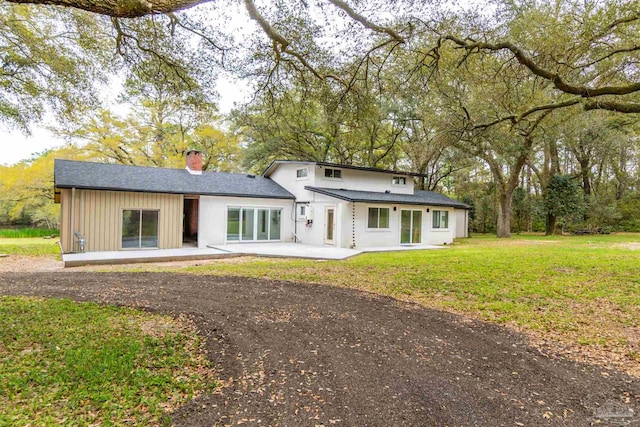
pixel 294 354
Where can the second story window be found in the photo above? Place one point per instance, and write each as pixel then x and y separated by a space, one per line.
pixel 399 180
pixel 302 173
pixel 332 173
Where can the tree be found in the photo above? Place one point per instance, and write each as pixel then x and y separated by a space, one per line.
pixel 50 60
pixel 26 189
pixel 563 200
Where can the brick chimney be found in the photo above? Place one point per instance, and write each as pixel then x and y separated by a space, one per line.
pixel 194 162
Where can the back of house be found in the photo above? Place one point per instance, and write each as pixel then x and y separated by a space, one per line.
pixel 109 207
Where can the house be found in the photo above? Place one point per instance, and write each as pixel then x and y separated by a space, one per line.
pixel 118 207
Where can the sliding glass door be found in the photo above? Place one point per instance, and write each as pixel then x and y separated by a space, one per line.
pixel 410 227
pixel 139 228
pixel 253 224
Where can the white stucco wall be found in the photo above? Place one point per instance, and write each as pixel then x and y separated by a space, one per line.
pixel 212 217
pixel 285 175
pixel 462 223
pixel 391 237
pixel 314 233
pixel 361 181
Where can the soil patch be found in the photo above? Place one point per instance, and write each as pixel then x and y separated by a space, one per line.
pixel 297 354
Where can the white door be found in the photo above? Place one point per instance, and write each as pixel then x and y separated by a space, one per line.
pixel 329 225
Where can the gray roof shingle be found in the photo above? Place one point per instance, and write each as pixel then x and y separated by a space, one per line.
pixel 421 197
pixel 102 176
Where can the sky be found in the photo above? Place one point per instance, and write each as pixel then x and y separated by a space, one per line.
pixel 16 146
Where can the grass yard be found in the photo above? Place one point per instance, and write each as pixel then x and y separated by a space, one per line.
pixel 29 246
pixel 65 363
pixel 28 232
pixel 577 294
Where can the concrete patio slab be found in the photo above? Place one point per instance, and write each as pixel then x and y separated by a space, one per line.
pixel 150 255
pixel 299 250
pixel 284 250
pixel 288 250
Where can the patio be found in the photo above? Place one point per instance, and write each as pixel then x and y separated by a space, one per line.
pixel 284 250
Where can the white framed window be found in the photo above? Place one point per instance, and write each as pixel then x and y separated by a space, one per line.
pixel 302 173
pixel 378 218
pixel 302 211
pixel 440 219
pixel 399 180
pixel 140 228
pixel 332 173
pixel 249 224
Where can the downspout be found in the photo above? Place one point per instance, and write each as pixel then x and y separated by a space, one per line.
pixel 72 216
pixel 295 222
pixel 353 225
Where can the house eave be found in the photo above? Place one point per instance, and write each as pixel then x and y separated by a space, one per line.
pixel 132 190
pixel 382 201
pixel 274 165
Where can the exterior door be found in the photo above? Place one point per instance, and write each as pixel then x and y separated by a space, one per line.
pixel 410 227
pixel 329 225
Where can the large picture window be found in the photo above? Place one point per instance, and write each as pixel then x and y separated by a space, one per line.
pixel 253 224
pixel 378 218
pixel 440 219
pixel 139 228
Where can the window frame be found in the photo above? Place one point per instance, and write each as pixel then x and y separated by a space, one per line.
pixel 398 177
pixel 301 210
pixel 254 223
pixel 378 228
pixel 140 229
pixel 332 173
pixel 303 177
pixel 438 226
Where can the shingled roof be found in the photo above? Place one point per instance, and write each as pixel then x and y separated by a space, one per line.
pixel 102 176
pixel 421 197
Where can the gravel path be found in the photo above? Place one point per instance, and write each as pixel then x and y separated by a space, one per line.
pixel 306 355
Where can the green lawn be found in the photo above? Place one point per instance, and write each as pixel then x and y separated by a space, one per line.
pixel 27 232
pixel 65 363
pixel 29 246
pixel 578 291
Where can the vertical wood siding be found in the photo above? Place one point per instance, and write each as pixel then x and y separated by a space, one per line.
pixel 98 217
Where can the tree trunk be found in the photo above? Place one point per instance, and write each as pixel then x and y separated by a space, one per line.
pixel 504 213
pixel 550 226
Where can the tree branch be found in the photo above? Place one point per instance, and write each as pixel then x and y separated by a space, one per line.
pixel 558 82
pixel 364 21
pixel 121 8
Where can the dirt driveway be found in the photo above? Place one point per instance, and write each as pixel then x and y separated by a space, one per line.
pixel 306 355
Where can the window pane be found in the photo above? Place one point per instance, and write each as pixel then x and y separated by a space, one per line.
pixel 247 223
pixel 274 232
pixel 373 218
pixel 328 173
pixel 263 224
pixel 149 229
pixel 416 235
pixel 436 219
pixel 337 173
pixel 445 219
pixel 405 226
pixel 384 218
pixel 329 225
pixel 233 224
pixel 130 229
pixel 301 173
